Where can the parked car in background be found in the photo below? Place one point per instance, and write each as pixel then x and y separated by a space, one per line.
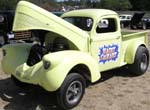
pixel 144 23
pixel 125 20
pixel 137 21
pixel 6 20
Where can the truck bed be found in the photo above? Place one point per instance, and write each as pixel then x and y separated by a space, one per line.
pixel 127 32
pixel 129 38
pixel 133 33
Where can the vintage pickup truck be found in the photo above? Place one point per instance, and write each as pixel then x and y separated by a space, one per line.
pixel 71 51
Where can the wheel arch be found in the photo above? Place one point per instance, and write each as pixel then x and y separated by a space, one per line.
pixel 131 51
pixel 83 70
pixel 89 70
pixel 69 62
pixel 141 62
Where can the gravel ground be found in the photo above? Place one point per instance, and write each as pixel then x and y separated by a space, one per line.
pixel 118 90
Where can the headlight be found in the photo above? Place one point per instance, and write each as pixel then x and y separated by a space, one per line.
pixel 1 18
pixel 46 64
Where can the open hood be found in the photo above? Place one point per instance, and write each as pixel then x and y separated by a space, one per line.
pixel 31 17
pixel 137 17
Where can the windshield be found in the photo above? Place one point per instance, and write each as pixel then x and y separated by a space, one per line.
pixel 84 23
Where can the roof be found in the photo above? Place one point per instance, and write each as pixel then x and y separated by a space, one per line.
pixel 92 13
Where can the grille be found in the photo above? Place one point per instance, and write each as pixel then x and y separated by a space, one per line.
pixel 22 35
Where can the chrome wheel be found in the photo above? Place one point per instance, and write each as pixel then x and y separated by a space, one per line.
pixel 141 61
pixel 143 64
pixel 74 92
pixel 71 91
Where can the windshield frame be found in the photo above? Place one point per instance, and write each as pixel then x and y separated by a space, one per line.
pixel 89 22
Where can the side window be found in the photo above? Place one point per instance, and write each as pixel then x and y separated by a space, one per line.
pixel 106 25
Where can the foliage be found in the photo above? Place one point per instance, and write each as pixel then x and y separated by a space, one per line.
pixel 109 4
pixel 140 4
pixel 74 3
pixel 8 4
pixel 11 4
pixel 116 4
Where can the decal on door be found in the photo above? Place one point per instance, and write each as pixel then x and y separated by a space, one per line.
pixel 108 53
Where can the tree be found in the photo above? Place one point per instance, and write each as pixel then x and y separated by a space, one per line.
pixel 11 4
pixel 140 4
pixel 8 4
pixel 116 4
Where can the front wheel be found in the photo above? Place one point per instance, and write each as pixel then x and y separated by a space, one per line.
pixel 71 91
pixel 141 61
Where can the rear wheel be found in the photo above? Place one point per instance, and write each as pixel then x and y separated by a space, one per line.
pixel 141 61
pixel 71 91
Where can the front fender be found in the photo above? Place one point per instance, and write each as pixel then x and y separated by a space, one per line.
pixel 131 51
pixel 62 62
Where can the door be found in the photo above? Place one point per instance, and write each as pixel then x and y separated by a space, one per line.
pixel 106 43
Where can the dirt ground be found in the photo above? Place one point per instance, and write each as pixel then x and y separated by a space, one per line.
pixel 119 90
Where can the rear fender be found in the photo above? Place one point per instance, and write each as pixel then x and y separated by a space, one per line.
pixel 131 51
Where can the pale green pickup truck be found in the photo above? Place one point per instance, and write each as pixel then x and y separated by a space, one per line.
pixel 72 51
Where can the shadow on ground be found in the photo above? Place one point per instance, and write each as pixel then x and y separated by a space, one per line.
pixel 18 99
pixel 121 72
pixel 38 99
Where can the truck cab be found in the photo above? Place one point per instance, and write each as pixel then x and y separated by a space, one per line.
pixel 104 34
